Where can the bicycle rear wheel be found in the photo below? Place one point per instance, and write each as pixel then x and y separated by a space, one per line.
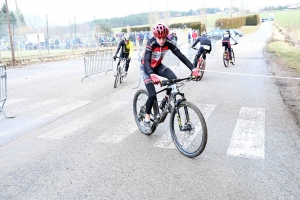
pixel 201 67
pixel 121 74
pixel 118 75
pixel 190 141
pixel 139 110
pixel 225 59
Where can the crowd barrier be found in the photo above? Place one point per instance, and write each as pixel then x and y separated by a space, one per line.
pixel 3 89
pixel 141 70
pixel 97 61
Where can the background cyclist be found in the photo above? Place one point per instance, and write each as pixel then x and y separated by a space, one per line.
pixel 203 41
pixel 126 52
pixel 156 48
pixel 226 43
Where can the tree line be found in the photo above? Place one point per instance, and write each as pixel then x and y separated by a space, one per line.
pixel 16 19
pixel 143 18
pixel 103 25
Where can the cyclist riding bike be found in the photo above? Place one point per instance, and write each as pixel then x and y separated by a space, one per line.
pixel 204 40
pixel 226 43
pixel 126 52
pixel 156 49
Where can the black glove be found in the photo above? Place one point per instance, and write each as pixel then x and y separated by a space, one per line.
pixel 115 56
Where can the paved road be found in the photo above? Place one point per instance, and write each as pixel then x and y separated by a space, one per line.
pixel 78 140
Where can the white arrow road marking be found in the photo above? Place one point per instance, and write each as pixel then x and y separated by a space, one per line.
pixel 166 140
pixel 248 139
pixel 79 123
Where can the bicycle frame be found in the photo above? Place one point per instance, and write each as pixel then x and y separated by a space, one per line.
pixel 122 64
pixel 160 117
pixel 201 58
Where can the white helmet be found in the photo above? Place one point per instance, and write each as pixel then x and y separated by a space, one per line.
pixel 126 37
pixel 203 33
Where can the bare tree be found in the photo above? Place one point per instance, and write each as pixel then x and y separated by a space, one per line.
pixel 167 14
pixel 153 16
pixel 33 21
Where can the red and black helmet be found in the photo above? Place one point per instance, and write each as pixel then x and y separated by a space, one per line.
pixel 160 30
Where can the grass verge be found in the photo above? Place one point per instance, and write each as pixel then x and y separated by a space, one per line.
pixel 290 55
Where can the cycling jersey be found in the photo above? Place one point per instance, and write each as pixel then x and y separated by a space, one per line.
pixel 203 41
pixel 155 53
pixel 126 48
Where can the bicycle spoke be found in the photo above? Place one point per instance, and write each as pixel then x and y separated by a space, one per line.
pixel 191 139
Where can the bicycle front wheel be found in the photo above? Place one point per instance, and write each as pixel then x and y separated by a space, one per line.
pixel 233 57
pixel 139 110
pixel 121 74
pixel 188 129
pixel 117 77
pixel 225 59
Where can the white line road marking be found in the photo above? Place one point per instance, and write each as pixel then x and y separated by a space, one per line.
pixel 166 140
pixel 66 109
pixel 117 133
pixel 248 139
pixel 32 122
pixel 13 101
pixel 79 123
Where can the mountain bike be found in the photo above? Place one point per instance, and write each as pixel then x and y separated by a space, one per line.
pixel 120 72
pixel 226 57
pixel 201 62
pixel 187 124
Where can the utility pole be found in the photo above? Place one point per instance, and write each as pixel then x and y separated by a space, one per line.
pixel 11 42
pixel 231 9
pixel 205 14
pixel 47 33
pixel 242 8
pixel 75 26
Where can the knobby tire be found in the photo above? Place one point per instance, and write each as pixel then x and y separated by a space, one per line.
pixel 139 112
pixel 189 143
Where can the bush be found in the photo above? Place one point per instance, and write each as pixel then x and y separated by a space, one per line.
pixel 228 23
pixel 252 20
pixel 136 29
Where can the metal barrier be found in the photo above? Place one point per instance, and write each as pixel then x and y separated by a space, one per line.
pixel 141 71
pixel 3 89
pixel 97 61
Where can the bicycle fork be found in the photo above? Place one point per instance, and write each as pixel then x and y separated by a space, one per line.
pixel 187 126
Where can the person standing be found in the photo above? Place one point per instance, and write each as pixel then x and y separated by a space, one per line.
pixel 194 35
pixel 189 37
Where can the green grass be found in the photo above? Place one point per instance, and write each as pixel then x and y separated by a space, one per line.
pixel 286 53
pixel 285 18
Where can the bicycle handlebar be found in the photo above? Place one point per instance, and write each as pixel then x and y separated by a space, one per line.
pixel 172 81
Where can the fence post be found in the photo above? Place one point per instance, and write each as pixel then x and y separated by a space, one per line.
pixel 3 89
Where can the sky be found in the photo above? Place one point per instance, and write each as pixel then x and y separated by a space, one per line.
pixel 62 12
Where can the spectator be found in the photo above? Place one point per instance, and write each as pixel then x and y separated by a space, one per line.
pixel 141 38
pixel 189 37
pixel 194 35
pixel 56 43
pixel 174 38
